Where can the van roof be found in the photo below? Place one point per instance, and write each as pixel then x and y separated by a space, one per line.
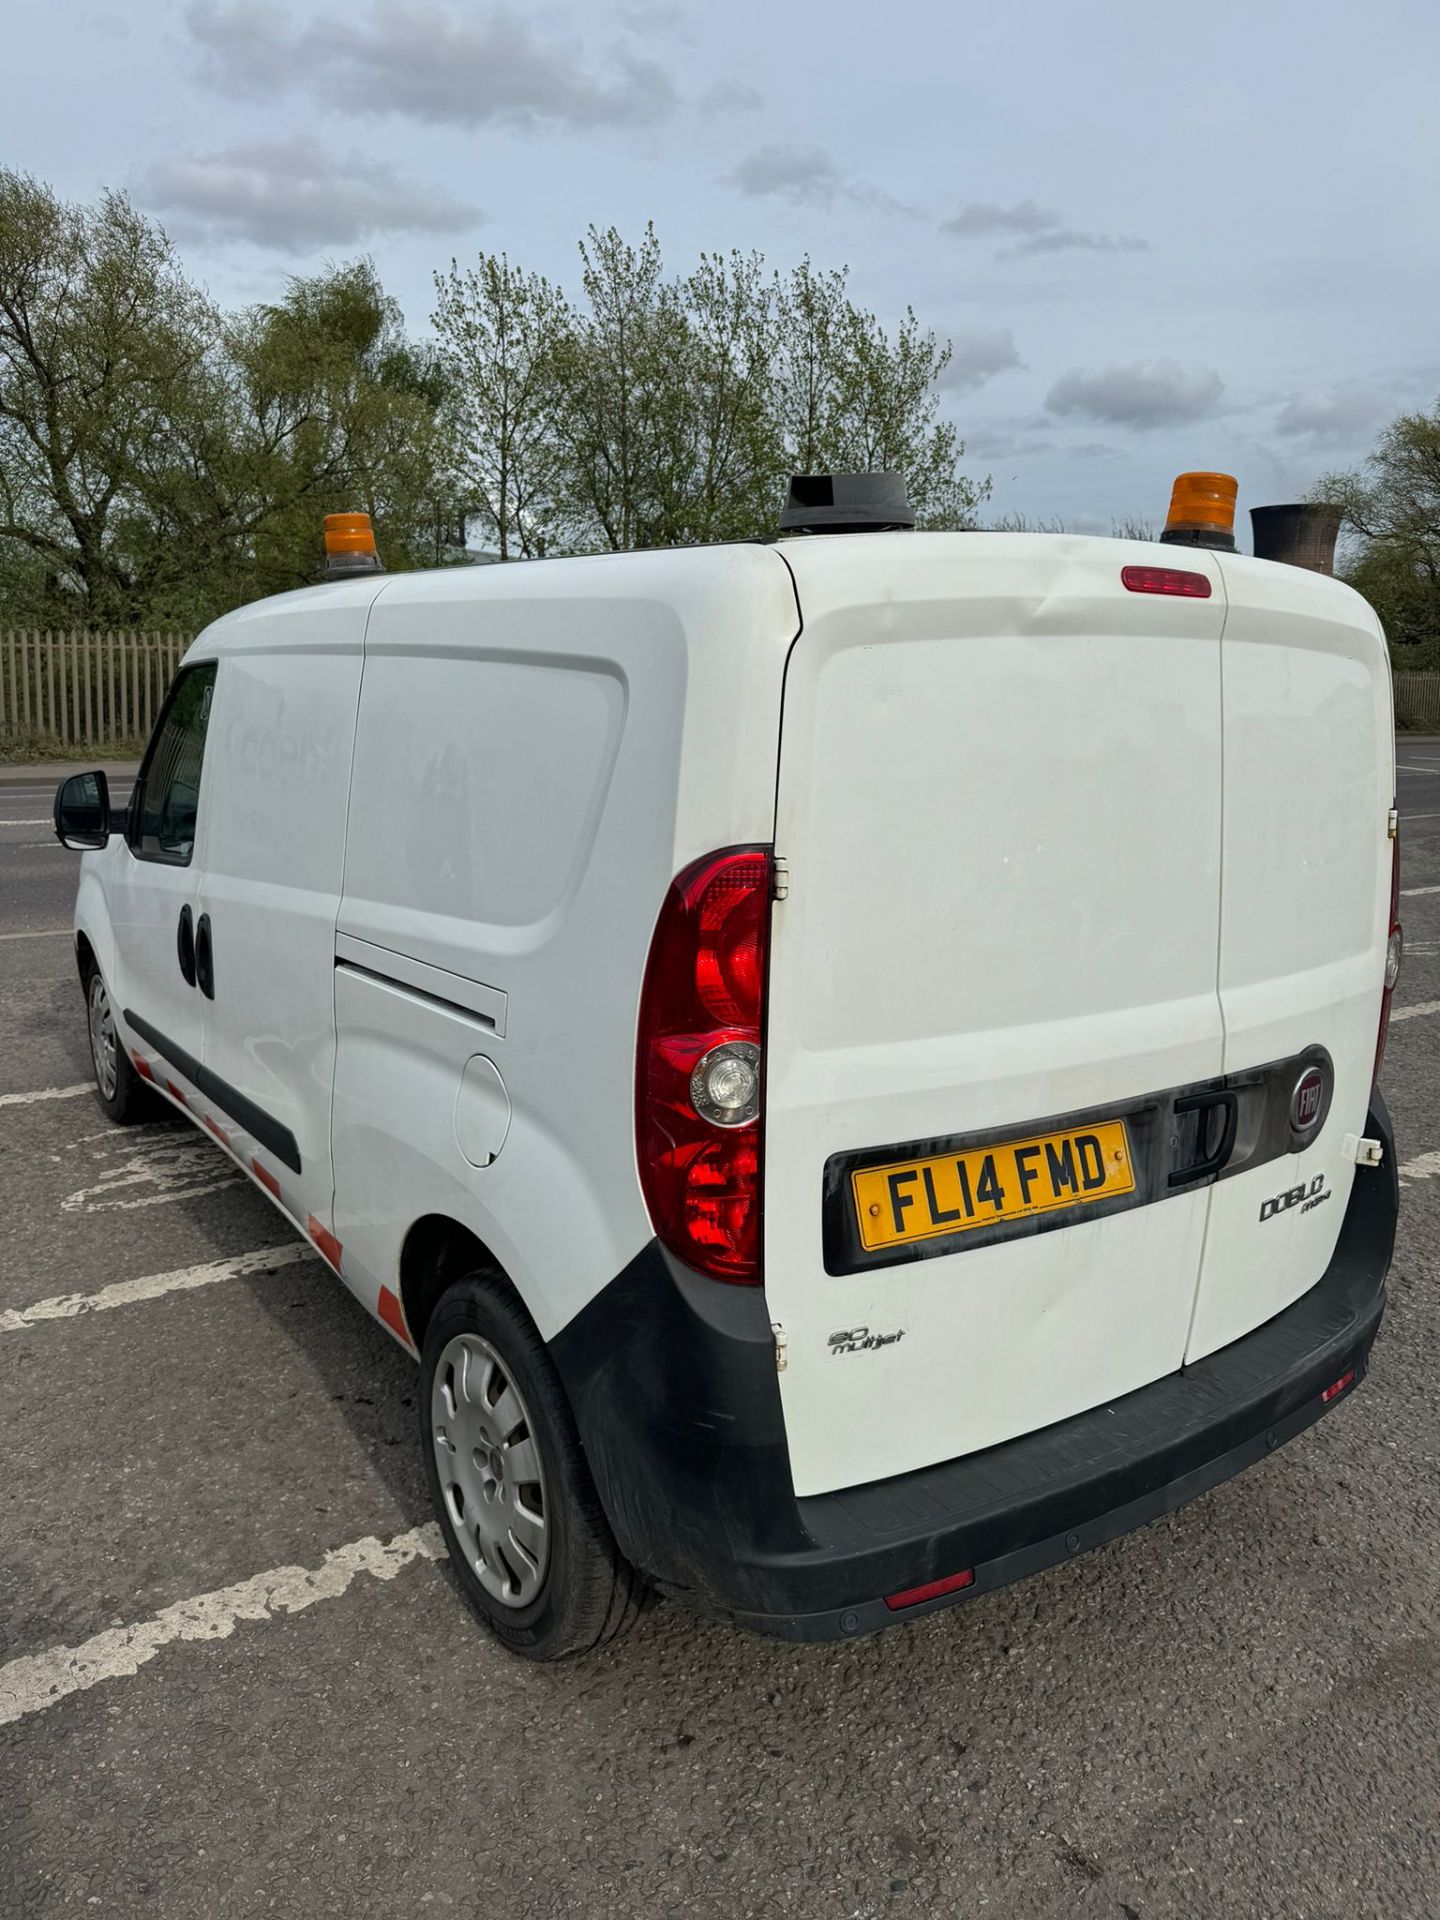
pixel 868 565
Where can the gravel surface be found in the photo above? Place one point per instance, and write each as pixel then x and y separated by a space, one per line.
pixel 1234 1711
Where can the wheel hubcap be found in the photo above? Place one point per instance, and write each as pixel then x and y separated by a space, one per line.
pixel 102 1037
pixel 490 1473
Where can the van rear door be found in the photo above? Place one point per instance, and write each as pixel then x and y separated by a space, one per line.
pixel 1000 804
pixel 1309 782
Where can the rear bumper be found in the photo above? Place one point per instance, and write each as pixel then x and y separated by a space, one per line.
pixel 672 1378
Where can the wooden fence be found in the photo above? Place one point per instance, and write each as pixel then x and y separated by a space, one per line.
pixel 1417 702
pixel 85 689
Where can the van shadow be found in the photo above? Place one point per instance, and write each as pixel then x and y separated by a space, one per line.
pixel 54 1023
pixel 368 1380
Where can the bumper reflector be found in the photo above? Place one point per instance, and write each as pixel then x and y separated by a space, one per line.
pixel 932 1590
pixel 1347 1379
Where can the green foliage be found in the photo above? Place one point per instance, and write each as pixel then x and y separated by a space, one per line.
pixel 161 460
pixel 1392 512
pixel 501 332
pixel 102 343
pixel 850 399
pixel 664 411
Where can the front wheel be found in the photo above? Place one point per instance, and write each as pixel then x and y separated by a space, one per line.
pixel 123 1094
pixel 527 1537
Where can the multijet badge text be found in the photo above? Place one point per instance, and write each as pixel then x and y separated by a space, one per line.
pixel 862 1340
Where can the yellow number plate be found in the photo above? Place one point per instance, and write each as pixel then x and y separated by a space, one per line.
pixel 957 1192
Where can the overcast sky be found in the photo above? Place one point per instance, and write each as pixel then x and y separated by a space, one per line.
pixel 1160 237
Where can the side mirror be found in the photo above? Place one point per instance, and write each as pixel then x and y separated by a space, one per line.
pixel 82 812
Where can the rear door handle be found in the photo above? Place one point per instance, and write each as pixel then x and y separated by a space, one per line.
pixel 185 945
pixel 1205 1104
pixel 204 957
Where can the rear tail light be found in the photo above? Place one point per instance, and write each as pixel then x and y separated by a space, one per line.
pixel 699 1064
pixel 1394 950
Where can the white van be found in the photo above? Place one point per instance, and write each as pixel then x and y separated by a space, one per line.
pixel 850 1061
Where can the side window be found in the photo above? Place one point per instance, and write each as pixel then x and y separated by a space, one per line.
pixel 167 794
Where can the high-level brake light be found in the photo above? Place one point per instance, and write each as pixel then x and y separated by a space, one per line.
pixel 1177 581
pixel 699 1069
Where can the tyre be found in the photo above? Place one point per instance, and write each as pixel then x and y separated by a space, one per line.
pixel 123 1094
pixel 527 1537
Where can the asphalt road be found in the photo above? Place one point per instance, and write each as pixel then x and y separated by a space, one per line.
pixel 1235 1711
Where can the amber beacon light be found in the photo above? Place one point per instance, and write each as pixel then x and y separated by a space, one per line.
pixel 1202 511
pixel 349 545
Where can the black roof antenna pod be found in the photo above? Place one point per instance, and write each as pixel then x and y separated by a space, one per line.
pixel 846 503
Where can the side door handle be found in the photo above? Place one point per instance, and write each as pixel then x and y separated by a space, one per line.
pixel 204 957
pixel 185 945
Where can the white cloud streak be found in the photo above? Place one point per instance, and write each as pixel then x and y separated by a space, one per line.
pixel 977 355
pixel 1342 417
pixel 1034 229
pixel 1146 393
pixel 426 65
pixel 293 196
pixel 806 177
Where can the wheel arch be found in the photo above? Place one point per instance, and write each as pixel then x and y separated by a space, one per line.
pixel 437 1251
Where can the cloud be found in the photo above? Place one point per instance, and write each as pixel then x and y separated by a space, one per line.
pixel 1009 438
pixel 1339 418
pixel 985 216
pixel 426 65
pixel 245 53
pixel 1040 230
pixel 1148 393
pixel 805 176
pixel 977 355
pixel 731 96
pixel 291 195
pixel 1074 240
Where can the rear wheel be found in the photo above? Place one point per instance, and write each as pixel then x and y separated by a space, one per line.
pixel 523 1524
pixel 123 1094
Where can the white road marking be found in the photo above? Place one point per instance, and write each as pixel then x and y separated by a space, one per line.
pixel 1410 893
pixel 28 823
pixel 174 1164
pixel 1406 817
pixel 150 1286
pixel 1425 1166
pixel 1416 1012
pixel 1402 767
pixel 39 1680
pixel 44 1093
pixel 40 933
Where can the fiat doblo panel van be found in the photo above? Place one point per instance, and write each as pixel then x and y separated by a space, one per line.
pixel 850 1062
